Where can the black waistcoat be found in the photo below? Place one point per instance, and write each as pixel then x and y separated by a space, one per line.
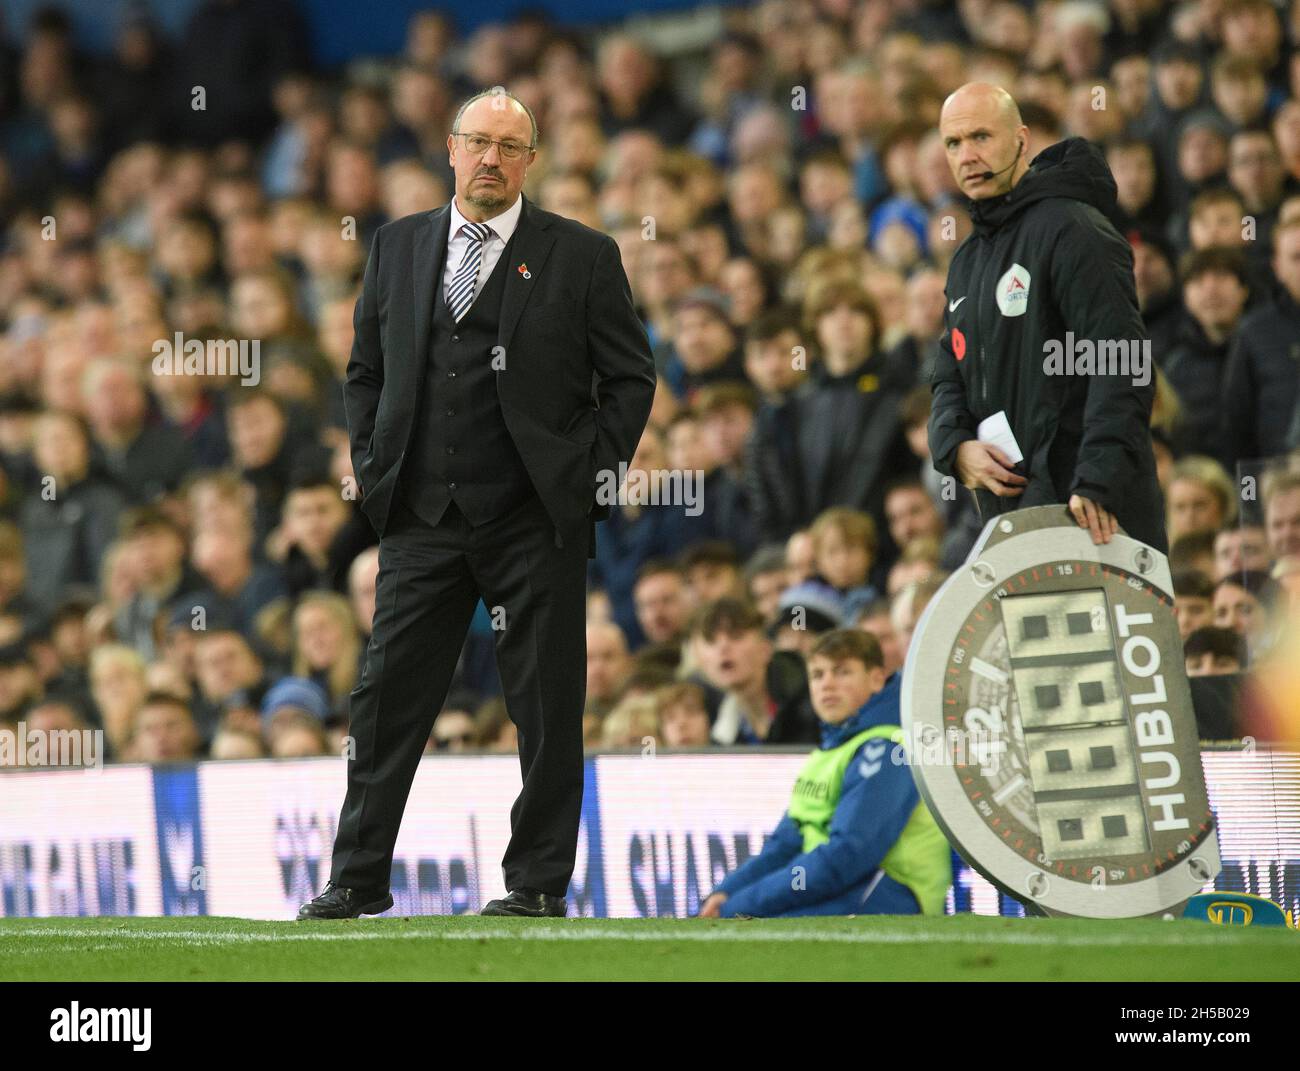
pixel 461 449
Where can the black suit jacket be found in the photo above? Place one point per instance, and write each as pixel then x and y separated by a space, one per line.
pixel 576 377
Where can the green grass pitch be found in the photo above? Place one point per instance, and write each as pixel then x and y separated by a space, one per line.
pixel 470 947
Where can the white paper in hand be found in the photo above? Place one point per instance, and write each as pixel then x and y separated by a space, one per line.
pixel 996 431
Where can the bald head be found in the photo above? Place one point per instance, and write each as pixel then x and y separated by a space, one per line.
pixel 982 132
pixel 992 103
pixel 607 660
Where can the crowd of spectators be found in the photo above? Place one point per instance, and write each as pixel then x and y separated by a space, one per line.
pixel 182 560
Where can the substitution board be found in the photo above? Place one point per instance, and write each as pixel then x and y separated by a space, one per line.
pixel 1049 722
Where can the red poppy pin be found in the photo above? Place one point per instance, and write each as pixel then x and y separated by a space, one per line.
pixel 523 270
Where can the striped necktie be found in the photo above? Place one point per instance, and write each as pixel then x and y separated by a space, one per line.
pixel 460 295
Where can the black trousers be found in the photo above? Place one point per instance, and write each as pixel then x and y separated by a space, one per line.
pixel 430 580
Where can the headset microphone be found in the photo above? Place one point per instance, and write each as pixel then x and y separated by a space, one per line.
pixel 1020 147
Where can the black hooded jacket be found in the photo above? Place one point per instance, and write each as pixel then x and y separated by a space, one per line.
pixel 1044 260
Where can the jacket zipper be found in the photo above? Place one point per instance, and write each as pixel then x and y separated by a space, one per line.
pixel 979 321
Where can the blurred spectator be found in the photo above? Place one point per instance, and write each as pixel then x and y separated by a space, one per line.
pixel 722 495
pixel 1260 383
pixel 1159 297
pixel 237 588
pixel 299 738
pixel 454 730
pixel 632 723
pixel 262 451
pixel 1214 294
pixel 875 618
pixel 1133 163
pixel 918 561
pixel 1211 651
pixel 1239 548
pixel 326 648
pixel 1194 551
pixel 119 689
pixel 496 732
pixel 1281 493
pixel 804 612
pixel 683 715
pixel 776 366
pixel 663 602
pixel 234 51
pixel 163 575
pixel 1193 601
pixel 908 605
pixel 799 556
pixel 726 420
pixel 910 512
pixel 362 575
pixel 1245 603
pixel 607 663
pixel 309 544
pixel 712 571
pixel 146 460
pixel 1199 497
pixel 766 691
pixel 704 348
pixel 637 531
pixel 19 684
pixel 164 731
pixel 766 577
pixel 231 679
pixel 288 705
pixel 911 360
pixel 236 744
pixel 844 556
pixel 55 719
pixel 634 93
pixel 70 519
pixel 846 433
pixel 13 572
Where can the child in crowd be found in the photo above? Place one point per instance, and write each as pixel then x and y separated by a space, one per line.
pixel 844 554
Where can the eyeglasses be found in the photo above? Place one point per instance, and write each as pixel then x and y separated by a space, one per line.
pixel 477 145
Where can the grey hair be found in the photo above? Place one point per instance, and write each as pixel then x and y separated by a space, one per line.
pixel 497 91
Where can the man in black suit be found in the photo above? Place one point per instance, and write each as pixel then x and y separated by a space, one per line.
pixel 498 370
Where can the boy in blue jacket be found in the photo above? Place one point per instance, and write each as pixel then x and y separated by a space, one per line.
pixel 857 838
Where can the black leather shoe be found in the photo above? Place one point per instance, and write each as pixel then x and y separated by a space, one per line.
pixel 340 902
pixel 528 902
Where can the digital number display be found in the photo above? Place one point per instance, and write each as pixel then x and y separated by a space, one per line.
pixel 1045 697
pixel 1082 763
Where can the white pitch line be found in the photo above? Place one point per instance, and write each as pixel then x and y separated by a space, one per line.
pixel 592 933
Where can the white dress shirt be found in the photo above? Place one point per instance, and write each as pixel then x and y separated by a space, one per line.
pixel 502 227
